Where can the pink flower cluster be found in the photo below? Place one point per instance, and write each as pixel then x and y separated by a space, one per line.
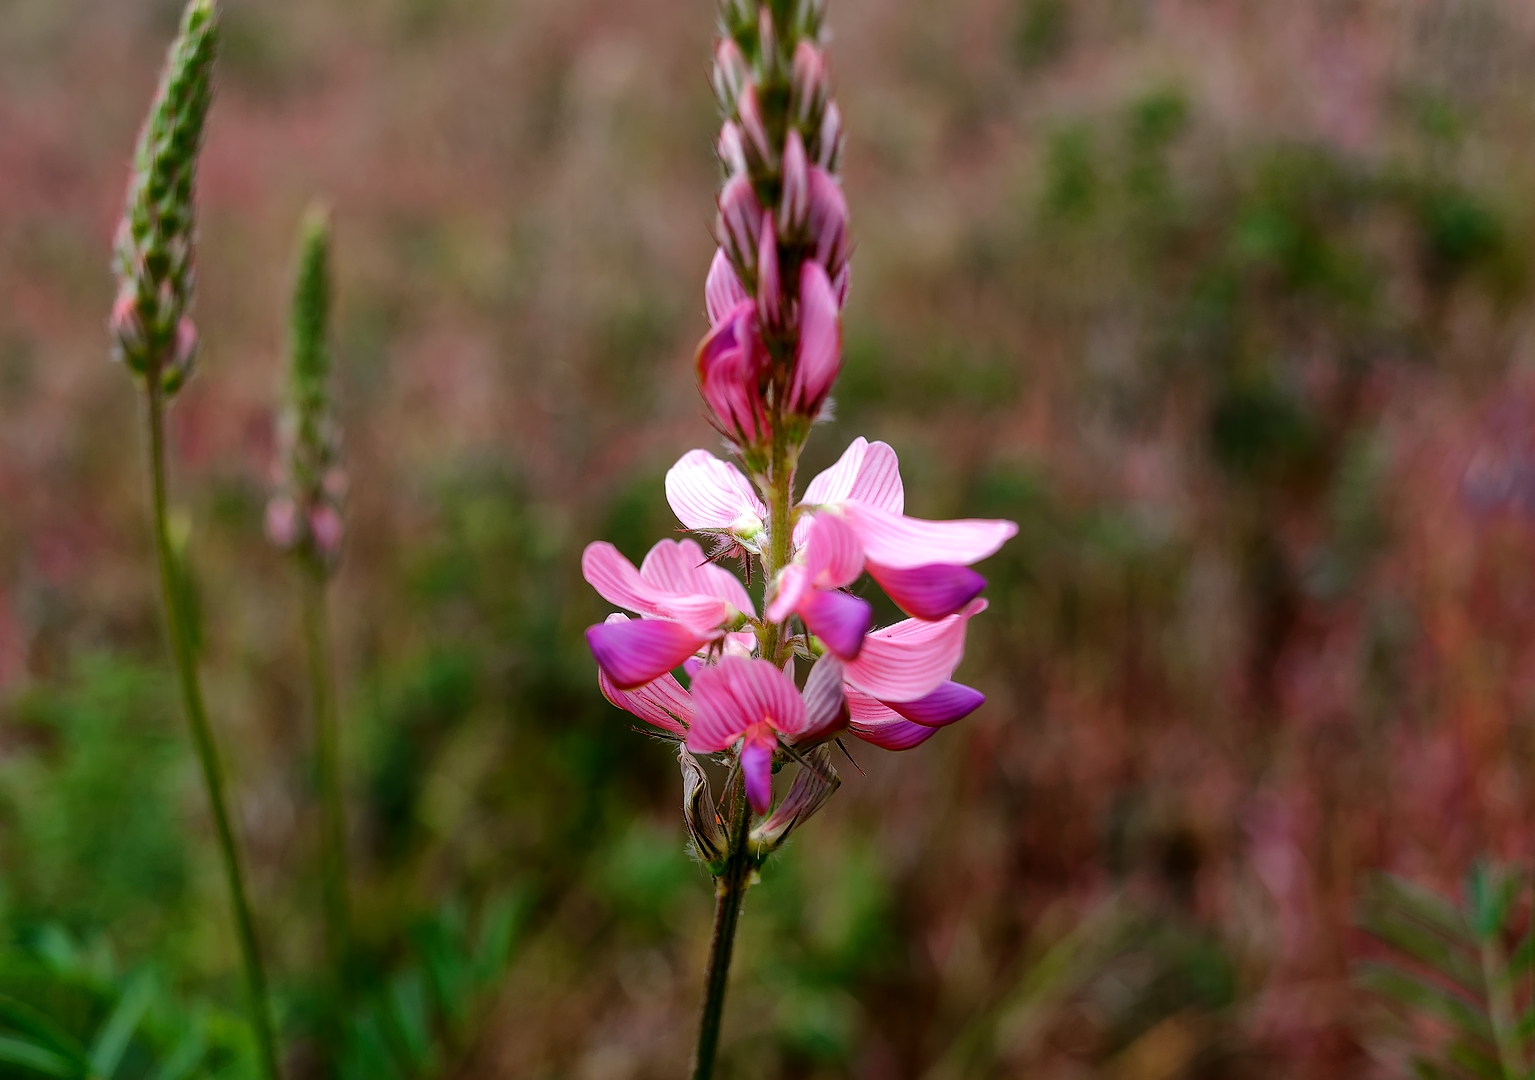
pixel 774 297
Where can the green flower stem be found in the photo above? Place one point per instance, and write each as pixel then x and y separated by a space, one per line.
pixel 202 733
pixel 729 890
pixel 328 776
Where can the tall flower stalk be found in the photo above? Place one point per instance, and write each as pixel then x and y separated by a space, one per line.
pixel 154 337
pixel 304 519
pixel 774 296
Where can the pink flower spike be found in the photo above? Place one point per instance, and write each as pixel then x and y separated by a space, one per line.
pixel 709 494
pixel 905 543
pixel 723 291
pixel 636 651
pixel 769 287
pixel 828 220
pixel 794 204
pixel 932 591
pixel 818 355
pixel 911 659
pixel 950 702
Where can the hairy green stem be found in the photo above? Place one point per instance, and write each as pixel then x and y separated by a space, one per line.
pixel 729 890
pixel 173 598
pixel 327 755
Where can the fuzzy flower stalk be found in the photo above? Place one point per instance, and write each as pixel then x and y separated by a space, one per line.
pixel 154 338
pixel 304 519
pixel 774 296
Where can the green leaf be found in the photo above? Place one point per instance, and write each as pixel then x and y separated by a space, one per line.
pixel 1450 957
pixel 113 1038
pixel 1428 998
pixel 16 1051
pixel 186 1057
pixel 28 1021
pixel 1489 894
pixel 1473 1061
pixel 1426 906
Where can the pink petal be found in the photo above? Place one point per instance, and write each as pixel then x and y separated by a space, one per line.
pixel 681 568
pixel 828 220
pixel 950 702
pixel 787 591
pixel 737 693
pixel 932 591
pixel 913 658
pixel 825 701
pixel 839 620
pixel 877 724
pixel 866 471
pixel 635 652
pixel 722 290
pixel 707 493
pixel 740 221
pixel 904 543
pixel 794 201
pixel 833 552
pixel 617 581
pixel 757 767
pixel 662 702
pixel 818 355
pixel 769 287
pixel 730 365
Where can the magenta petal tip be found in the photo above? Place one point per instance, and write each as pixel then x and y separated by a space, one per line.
pixel 634 652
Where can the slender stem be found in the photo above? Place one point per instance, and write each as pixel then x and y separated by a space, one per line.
pixel 729 890
pixel 202 733
pixel 1500 1001
pixel 328 775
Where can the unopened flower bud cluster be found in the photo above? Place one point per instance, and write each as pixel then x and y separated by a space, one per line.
pixel 153 252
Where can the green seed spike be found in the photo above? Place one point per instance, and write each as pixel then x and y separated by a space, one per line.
pixel 153 256
pixel 309 358
pixel 305 516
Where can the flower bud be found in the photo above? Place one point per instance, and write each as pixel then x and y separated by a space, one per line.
pixel 816 783
pixel 794 205
pixel 732 153
pixel 730 74
pixel 842 284
pixel 325 527
pixel 809 86
pixel 178 364
pixel 130 338
pixel 818 353
pixel 282 522
pixel 739 223
pixel 828 147
pixel 808 17
pixel 760 153
pixel 731 362
pixel 703 823
pixel 828 221
pixel 769 288
pixel 723 290
pixel 767 41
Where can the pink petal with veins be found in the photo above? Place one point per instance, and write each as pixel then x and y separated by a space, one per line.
pixel 904 543
pixel 876 723
pixel 757 766
pixel 707 493
pixel 818 355
pixel 950 702
pixel 722 289
pixel 681 567
pixel 841 621
pixel 636 651
pixel 737 693
pixel 913 658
